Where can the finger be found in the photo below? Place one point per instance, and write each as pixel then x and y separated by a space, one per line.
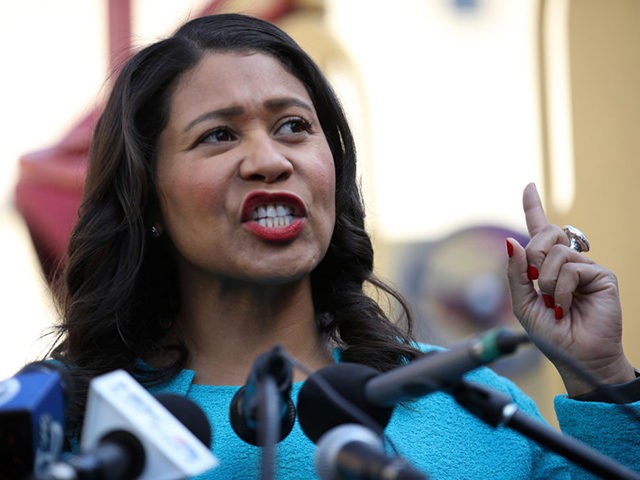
pixel 540 245
pixel 521 287
pixel 580 278
pixel 555 259
pixel 533 211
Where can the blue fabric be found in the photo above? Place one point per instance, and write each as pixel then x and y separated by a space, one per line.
pixel 434 433
pixel 614 432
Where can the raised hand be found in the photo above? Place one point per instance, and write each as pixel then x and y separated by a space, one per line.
pixel 575 305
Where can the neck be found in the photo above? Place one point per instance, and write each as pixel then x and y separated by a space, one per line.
pixel 225 329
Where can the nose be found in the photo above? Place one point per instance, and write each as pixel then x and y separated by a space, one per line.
pixel 264 161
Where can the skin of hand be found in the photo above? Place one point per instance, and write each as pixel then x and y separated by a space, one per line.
pixel 575 307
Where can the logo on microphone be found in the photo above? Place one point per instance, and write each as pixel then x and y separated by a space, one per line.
pixel 153 417
pixel 51 437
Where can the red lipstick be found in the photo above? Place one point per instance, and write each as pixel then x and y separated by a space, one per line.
pixel 273 217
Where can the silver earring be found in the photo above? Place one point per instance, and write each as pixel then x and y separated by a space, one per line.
pixel 155 233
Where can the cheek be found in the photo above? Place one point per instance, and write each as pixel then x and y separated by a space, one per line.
pixel 325 176
pixel 328 180
pixel 184 194
pixel 325 184
pixel 330 187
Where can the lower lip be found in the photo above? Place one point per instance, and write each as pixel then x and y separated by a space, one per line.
pixel 276 234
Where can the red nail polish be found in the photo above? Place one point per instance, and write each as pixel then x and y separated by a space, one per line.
pixel 532 272
pixel 548 300
pixel 509 249
pixel 558 312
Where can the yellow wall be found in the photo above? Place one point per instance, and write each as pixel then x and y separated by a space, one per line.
pixel 604 56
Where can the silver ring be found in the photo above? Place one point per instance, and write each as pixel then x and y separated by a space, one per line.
pixel 578 240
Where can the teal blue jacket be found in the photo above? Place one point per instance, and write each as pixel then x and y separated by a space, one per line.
pixel 435 434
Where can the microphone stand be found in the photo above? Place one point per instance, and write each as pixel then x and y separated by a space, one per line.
pixel 497 409
pixel 273 377
pixel 268 428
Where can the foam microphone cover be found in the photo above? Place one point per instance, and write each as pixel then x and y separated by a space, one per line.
pixel 189 414
pixel 250 434
pixel 319 411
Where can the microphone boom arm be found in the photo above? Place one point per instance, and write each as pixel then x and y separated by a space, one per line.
pixel 426 375
pixel 497 409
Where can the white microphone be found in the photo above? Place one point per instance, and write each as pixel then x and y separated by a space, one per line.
pixel 127 433
pixel 353 452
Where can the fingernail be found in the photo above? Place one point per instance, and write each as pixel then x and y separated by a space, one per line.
pixel 532 272
pixel 548 300
pixel 509 249
pixel 558 312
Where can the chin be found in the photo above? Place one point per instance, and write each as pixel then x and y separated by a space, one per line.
pixel 283 277
pixel 276 280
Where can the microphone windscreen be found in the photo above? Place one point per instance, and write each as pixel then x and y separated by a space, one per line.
pixel 249 433
pixel 319 411
pixel 189 414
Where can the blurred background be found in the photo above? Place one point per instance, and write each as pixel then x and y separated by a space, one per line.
pixel 456 105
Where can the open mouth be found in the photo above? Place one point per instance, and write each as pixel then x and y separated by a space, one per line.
pixel 272 210
pixel 273 215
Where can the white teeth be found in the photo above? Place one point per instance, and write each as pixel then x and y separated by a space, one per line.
pixel 274 215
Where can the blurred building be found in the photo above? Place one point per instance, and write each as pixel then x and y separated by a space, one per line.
pixel 455 105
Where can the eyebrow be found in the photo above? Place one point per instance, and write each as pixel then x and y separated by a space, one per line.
pixel 272 104
pixel 221 113
pixel 280 103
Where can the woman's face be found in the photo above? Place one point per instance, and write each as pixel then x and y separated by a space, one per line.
pixel 245 176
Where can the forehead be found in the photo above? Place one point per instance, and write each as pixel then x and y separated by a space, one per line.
pixel 221 80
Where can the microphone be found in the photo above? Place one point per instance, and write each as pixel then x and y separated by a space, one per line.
pixel 244 409
pixel 32 408
pixel 127 433
pixel 370 395
pixel 352 452
pixel 497 409
pixel 436 369
pixel 189 414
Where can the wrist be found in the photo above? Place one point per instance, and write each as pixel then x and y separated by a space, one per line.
pixel 615 372
pixel 627 392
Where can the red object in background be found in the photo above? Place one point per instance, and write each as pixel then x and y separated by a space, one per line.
pixel 49 191
pixel 50 181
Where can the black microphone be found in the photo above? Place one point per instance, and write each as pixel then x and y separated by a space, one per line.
pixel 119 455
pixel 32 409
pixel 244 408
pixel 189 414
pixel 436 369
pixel 372 395
pixel 353 452
pixel 128 434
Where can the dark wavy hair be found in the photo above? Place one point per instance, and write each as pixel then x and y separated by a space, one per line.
pixel 119 288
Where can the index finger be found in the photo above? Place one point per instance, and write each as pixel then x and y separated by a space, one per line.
pixel 533 210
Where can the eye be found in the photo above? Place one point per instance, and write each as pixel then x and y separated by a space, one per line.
pixel 217 136
pixel 294 126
